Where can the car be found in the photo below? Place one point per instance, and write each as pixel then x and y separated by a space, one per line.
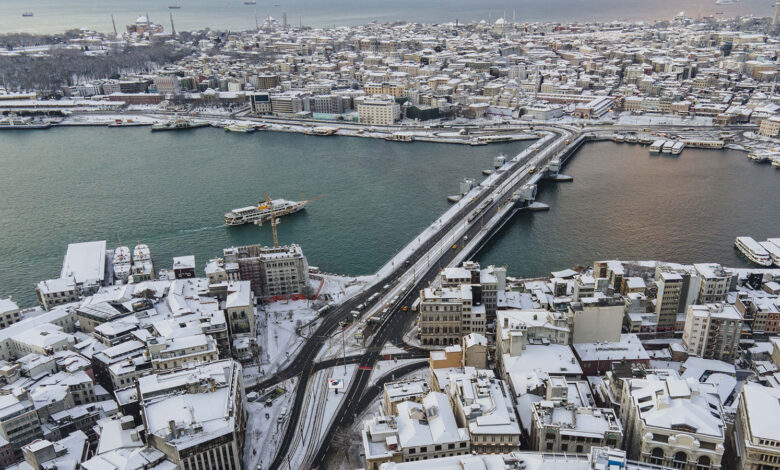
pixel 455 247
pixel 406 307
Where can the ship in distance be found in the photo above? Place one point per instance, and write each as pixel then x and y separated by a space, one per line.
pixel 262 211
pixel 177 125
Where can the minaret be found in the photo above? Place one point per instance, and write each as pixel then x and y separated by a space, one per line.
pixel 114 24
pixel 284 19
pixel 777 13
pixel 173 28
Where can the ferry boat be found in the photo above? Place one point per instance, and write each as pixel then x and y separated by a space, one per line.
pixel 27 14
pixel 174 7
pixel 242 128
pixel 772 246
pixel 753 251
pixel 143 268
pixel 322 130
pixel 632 139
pixel 122 263
pixel 261 212
pixel 250 2
pixel 667 147
pixel 677 148
pixel 13 122
pixel 619 138
pixel 656 146
pixel 178 125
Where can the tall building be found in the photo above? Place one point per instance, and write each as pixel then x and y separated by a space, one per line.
pixel 712 331
pixel 776 17
pixel 272 272
pixel 714 283
pixel 669 285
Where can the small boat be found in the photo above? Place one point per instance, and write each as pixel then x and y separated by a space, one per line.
pixel 250 2
pixel 27 14
pixel 174 7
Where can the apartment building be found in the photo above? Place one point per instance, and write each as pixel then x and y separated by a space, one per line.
pixel 380 110
pixel 446 315
pixel 596 318
pixel 273 272
pixel 239 308
pixel 714 283
pixel 19 423
pixel 712 331
pixel 196 416
pixel 517 328
pixel 670 286
pixel 482 405
pixel 673 422
pixel 420 431
pixel 565 422
pixel 9 312
pixel 756 434
pixel 182 352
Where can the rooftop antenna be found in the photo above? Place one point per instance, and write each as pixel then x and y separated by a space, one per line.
pixel 114 24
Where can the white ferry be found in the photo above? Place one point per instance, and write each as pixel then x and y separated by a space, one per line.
pixel 677 148
pixel 667 147
pixel 656 146
pixel 121 262
pixel 143 268
pixel 241 128
pixel 261 212
pixel 772 246
pixel 753 251
pixel 13 122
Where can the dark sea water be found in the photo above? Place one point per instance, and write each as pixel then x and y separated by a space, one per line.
pixel 171 190
pixel 627 204
pixel 52 16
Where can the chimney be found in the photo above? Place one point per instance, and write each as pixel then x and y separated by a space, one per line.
pixel 172 427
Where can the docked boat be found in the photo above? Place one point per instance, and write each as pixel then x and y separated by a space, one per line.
pixel 261 212
pixel 762 156
pixel 772 246
pixel 13 122
pixel 121 263
pixel 656 146
pixel 677 148
pixel 776 162
pixel 753 251
pixel 499 161
pixel 667 147
pixel 322 130
pixel 619 138
pixel 143 268
pixel 241 128
pixel 632 139
pixel 178 125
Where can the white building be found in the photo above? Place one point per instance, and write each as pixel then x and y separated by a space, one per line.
pixel 712 331
pixel 673 422
pixel 379 110
pixel 756 434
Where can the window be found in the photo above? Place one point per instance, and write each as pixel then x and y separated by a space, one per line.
pixel 680 460
pixel 657 456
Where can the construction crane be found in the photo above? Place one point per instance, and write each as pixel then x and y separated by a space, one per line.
pixel 274 214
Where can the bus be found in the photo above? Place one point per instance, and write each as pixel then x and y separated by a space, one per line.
pixel 416 305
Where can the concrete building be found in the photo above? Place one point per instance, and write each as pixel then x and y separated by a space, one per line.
pixel 196 416
pixel 380 110
pixel 281 272
pixel 518 328
pixel 420 431
pixel 260 103
pixel 756 435
pixel 19 423
pixel 482 405
pixel 184 267
pixel 403 390
pixel 564 424
pixel 769 127
pixel 182 352
pixel 597 318
pixel 446 315
pixel 714 283
pixel 597 357
pixel 673 422
pixel 475 351
pixel 670 286
pixel 239 308
pixel 9 313
pixel 712 331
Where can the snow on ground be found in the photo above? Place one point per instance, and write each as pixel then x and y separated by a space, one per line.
pixel 346 345
pixel 337 288
pixel 391 348
pixel 278 338
pixel 105 119
pixel 318 410
pixel 663 119
pixel 263 429
pixel 383 368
